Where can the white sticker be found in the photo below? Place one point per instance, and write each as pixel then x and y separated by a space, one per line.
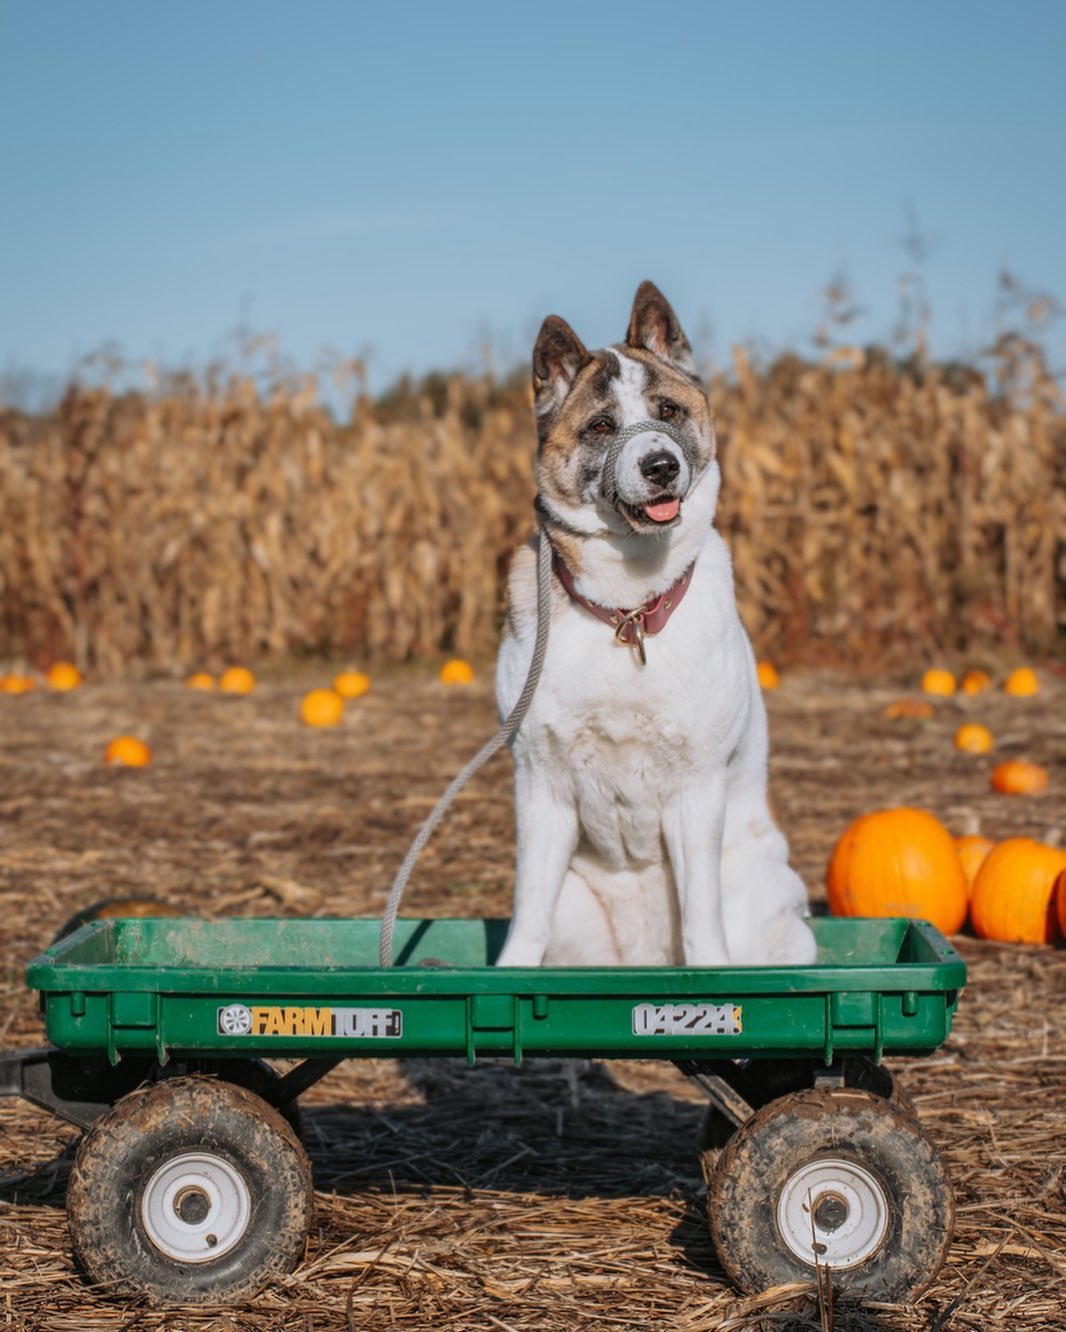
pixel 687 1020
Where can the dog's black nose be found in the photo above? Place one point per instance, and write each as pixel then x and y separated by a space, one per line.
pixel 660 468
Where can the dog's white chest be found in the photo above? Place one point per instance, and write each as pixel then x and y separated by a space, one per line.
pixel 622 738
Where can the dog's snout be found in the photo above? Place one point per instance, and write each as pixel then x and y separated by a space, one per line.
pixel 660 468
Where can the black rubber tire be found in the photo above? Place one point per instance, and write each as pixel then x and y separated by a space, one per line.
pixel 254 1075
pixel 791 1134
pixel 761 1081
pixel 124 1150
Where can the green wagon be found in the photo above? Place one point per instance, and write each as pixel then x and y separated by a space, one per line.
pixel 191 1185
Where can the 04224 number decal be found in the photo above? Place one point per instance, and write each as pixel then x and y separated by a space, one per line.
pixel 687 1020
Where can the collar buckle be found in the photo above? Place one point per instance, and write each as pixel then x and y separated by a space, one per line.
pixel 634 621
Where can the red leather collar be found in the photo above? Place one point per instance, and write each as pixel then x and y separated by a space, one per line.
pixel 630 627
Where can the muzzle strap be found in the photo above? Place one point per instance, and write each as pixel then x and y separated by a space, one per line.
pixel 614 452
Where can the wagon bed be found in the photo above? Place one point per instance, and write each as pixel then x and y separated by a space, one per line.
pixel 299 988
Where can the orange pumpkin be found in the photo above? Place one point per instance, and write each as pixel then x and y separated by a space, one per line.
pixel 351 684
pixel 973 738
pixel 1060 896
pixel 972 849
pixel 17 684
pixel 63 675
pixel 767 674
pixel 200 680
pixel 938 682
pixel 898 862
pixel 973 682
pixel 126 751
pixel 457 672
pixel 237 680
pixel 322 707
pixel 1014 892
pixel 1016 777
pixel 909 707
pixel 1022 683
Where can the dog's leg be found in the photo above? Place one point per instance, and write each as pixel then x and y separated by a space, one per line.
pixel 764 901
pixel 546 838
pixel 693 825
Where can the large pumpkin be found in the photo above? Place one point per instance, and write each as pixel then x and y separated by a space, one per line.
pixel 1014 892
pixel 973 851
pixel 898 862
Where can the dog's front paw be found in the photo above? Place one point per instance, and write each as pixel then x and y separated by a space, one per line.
pixel 520 953
pixel 790 941
pixel 705 953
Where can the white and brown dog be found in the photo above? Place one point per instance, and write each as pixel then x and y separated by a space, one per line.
pixel 644 836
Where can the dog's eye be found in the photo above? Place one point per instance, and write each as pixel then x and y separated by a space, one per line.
pixel 668 410
pixel 601 425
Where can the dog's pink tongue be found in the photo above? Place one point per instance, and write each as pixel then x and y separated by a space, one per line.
pixel 663 511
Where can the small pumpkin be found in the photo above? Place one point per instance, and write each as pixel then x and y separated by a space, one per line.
pixel 322 707
pixel 767 674
pixel 1017 777
pixel 200 680
pixel 63 675
pixel 974 682
pixel 457 672
pixel 351 684
pixel 1021 683
pixel 973 849
pixel 898 862
pixel 1014 892
pixel 126 751
pixel 17 684
pixel 237 680
pixel 938 682
pixel 973 738
pixel 909 707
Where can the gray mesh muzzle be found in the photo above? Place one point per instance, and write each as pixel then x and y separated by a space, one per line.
pixel 610 462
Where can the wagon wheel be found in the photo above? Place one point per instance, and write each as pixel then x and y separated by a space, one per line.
pixel 189 1191
pixel 761 1081
pixel 841 1180
pixel 254 1075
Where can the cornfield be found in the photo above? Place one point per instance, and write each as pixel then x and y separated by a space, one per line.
pixel 873 508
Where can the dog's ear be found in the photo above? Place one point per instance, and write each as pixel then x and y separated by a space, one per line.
pixel 558 356
pixel 654 326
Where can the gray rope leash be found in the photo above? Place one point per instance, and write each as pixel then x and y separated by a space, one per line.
pixel 506 731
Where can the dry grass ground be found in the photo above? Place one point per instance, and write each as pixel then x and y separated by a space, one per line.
pixel 555 1197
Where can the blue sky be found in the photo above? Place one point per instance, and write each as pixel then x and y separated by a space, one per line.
pixel 410 180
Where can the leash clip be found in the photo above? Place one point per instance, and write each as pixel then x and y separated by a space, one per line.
pixel 634 621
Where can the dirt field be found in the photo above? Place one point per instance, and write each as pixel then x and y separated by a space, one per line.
pixel 556 1197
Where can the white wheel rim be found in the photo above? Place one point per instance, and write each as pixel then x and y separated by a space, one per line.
pixel 833 1213
pixel 196 1207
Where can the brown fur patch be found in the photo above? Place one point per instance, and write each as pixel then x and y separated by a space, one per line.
pixel 591 392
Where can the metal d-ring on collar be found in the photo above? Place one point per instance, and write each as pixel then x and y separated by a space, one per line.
pixel 639 623
pixel 634 621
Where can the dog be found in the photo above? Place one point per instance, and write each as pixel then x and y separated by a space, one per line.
pixel 643 831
